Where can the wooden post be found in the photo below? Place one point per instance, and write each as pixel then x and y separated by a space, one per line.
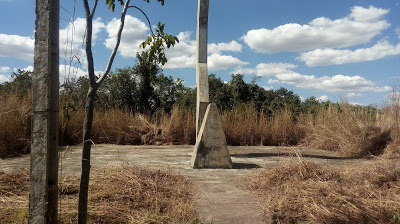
pixel 43 196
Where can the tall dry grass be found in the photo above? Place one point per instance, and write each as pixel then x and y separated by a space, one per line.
pixel 15 125
pixel 390 120
pixel 118 195
pixel 351 131
pixel 245 126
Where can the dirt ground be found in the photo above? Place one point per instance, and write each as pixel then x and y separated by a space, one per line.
pixel 221 197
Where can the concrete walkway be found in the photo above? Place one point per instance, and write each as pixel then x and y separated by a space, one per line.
pixel 220 194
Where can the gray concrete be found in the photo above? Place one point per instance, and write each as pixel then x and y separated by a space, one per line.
pixel 211 150
pixel 44 146
pixel 221 197
pixel 201 62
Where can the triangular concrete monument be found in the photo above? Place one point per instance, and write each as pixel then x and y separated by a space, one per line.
pixel 211 150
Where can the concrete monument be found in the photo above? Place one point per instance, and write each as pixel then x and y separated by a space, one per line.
pixel 211 150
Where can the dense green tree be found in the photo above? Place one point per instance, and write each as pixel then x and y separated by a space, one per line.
pixel 122 89
pixel 239 89
pixel 220 92
pixel 20 84
pixel 147 71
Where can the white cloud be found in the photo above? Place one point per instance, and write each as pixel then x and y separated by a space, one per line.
pixel 357 28
pixel 184 61
pixel 14 46
pixel 222 62
pixel 330 56
pixel 28 68
pixel 398 31
pixel 323 98
pixel 268 87
pixel 72 41
pixel 5 69
pixel 352 95
pixel 272 81
pixel 216 62
pixel 231 46
pixel 183 54
pixel 266 69
pixel 4 78
pixel 337 83
pixel 73 35
pixel 69 72
pixel 135 32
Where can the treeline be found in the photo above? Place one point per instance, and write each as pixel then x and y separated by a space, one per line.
pixel 142 90
pixel 140 105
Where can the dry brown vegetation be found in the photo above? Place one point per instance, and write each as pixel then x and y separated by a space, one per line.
pixel 310 193
pixel 15 125
pixel 118 195
pixel 346 129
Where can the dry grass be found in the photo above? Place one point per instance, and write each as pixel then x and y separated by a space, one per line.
pixel 347 130
pixel 129 195
pixel 245 126
pixel 309 193
pixel 15 125
pixel 351 131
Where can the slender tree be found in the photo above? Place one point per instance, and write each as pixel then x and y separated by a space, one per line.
pixel 156 43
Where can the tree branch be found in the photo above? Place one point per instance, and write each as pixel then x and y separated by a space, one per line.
pixel 132 6
pixel 88 43
pixel 94 8
pixel 113 53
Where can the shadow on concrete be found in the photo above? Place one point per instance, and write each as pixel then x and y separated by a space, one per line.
pixel 271 154
pixel 245 166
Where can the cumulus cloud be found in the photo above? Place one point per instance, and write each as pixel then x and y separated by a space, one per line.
pixel 5 69
pixel 323 98
pixel 4 76
pixel 72 40
pixel 183 54
pixel 330 56
pixel 268 87
pixel 184 61
pixel 231 46
pixel 222 62
pixel 352 95
pixel 135 32
pixel 71 72
pixel 398 31
pixel 339 83
pixel 72 36
pixel 359 27
pixel 14 46
pixel 266 69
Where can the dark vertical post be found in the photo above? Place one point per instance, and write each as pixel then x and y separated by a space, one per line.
pixel 43 196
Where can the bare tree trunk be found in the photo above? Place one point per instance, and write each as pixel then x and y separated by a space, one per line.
pixel 93 87
pixel 87 145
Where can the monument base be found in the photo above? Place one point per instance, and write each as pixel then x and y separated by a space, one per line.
pixel 211 149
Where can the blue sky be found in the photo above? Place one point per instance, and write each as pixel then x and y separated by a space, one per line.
pixel 332 50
